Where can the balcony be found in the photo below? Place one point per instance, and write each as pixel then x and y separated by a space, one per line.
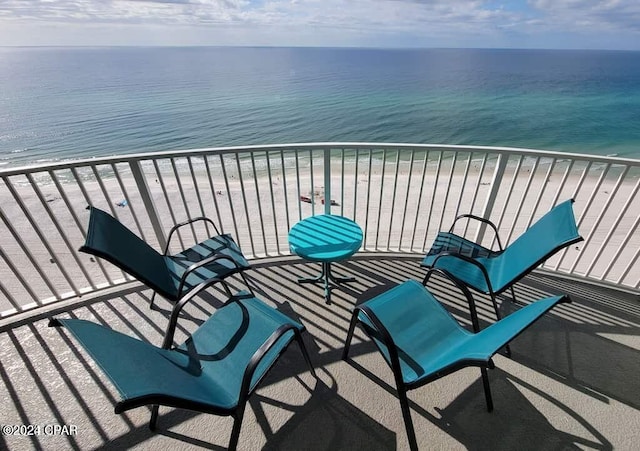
pixel 572 379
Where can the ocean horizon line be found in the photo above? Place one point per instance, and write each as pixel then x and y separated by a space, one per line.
pixel 346 47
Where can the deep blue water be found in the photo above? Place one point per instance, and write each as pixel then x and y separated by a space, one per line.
pixel 59 103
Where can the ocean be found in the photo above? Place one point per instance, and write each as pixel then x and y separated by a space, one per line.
pixel 69 103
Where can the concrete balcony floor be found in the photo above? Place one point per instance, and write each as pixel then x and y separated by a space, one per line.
pixel 573 381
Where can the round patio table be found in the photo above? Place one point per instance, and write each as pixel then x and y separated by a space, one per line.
pixel 325 239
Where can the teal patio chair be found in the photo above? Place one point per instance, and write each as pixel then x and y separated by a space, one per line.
pixel 422 342
pixel 216 369
pixel 493 271
pixel 171 276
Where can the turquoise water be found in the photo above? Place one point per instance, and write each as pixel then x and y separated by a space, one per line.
pixel 61 103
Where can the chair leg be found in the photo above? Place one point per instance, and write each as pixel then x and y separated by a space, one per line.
pixel 495 305
pixel 246 282
pixel 513 295
pixel 352 327
pixel 406 415
pixel 227 290
pixel 154 417
pixel 507 349
pixel 237 424
pixel 305 353
pixel 153 298
pixel 426 278
pixel 487 389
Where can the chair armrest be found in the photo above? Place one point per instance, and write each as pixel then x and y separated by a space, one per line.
pixel 200 264
pixel 470 260
pixel 381 333
pixel 257 357
pixel 480 219
pixel 177 308
pixel 187 222
pixel 462 287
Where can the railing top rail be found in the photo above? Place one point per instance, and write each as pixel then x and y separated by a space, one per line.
pixel 123 158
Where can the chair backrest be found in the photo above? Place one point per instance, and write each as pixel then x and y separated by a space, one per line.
pixel 108 238
pixel 554 231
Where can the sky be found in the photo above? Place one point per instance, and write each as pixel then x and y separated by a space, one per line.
pixel 548 24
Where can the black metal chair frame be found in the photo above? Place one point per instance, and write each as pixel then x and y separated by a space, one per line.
pixel 238 412
pixel 191 269
pixel 383 335
pixel 491 292
pixel 245 393
pixel 201 263
pixel 485 252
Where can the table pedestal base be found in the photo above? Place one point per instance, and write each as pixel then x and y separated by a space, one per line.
pixel 327 277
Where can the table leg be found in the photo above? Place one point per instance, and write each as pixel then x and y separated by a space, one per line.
pixel 327 277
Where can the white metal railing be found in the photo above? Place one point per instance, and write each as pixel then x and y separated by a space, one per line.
pixel 400 194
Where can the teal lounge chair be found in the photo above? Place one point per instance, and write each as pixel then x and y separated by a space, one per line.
pixel 216 369
pixel 422 342
pixel 493 271
pixel 171 276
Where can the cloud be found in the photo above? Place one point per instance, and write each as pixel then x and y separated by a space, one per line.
pixel 387 13
pixel 330 22
pixel 593 15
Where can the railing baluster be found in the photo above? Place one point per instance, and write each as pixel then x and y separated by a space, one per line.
pixel 463 183
pixel 103 188
pixel 540 193
pixel 230 197
pixel 125 193
pixel 496 183
pixel 366 216
pixel 355 187
pixel 393 199
pixel 273 207
pixel 165 194
pixel 475 191
pixel 258 202
pixel 87 199
pixel 342 190
pixel 81 228
pixel 419 201
pixel 244 202
pixel 25 284
pixel 507 201
pixel 613 228
pixel 327 181
pixel 563 182
pixel 433 198
pixel 194 180
pixel 603 209
pixel 147 201
pixel 454 162
pixel 379 219
pixel 183 197
pixel 285 190
pixel 586 209
pixel 299 194
pixel 28 253
pixel 41 236
pixel 407 194
pixel 521 203
pixel 312 183
pixel 214 193
pixel 632 263
pixel 62 234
